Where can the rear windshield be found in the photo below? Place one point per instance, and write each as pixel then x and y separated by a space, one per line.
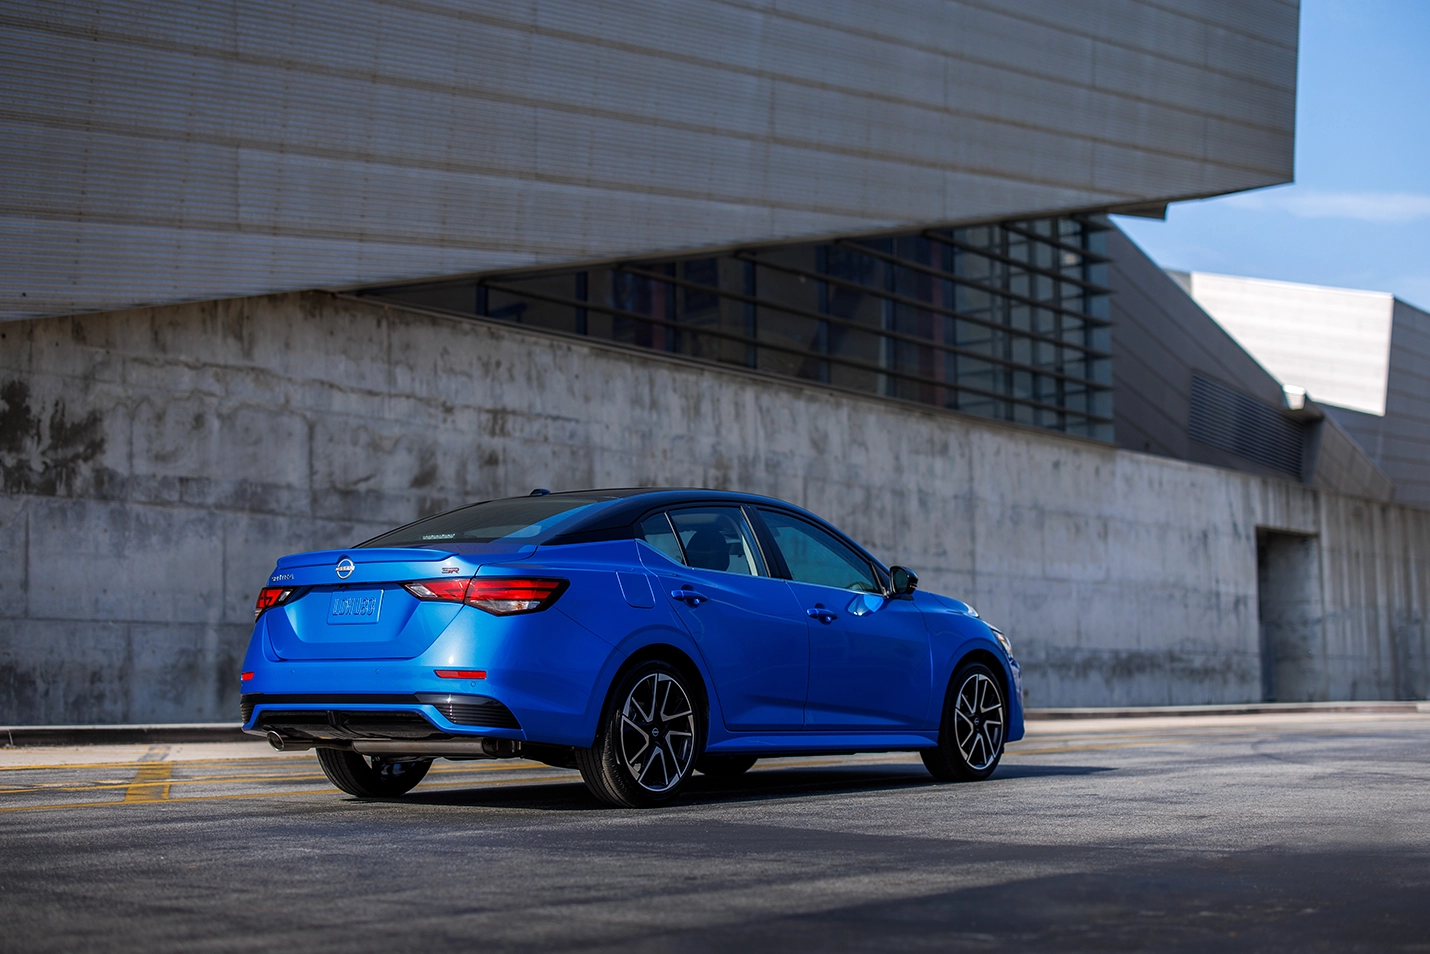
pixel 519 520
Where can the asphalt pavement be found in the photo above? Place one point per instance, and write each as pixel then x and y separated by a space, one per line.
pixel 1231 833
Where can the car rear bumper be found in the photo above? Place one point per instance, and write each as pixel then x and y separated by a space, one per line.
pixel 303 719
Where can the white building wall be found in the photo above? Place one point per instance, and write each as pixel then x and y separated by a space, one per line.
pixel 1334 342
pixel 165 151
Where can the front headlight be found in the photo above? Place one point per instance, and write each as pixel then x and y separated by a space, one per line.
pixel 1002 640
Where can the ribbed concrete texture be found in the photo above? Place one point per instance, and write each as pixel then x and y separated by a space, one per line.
pixel 158 151
pixel 156 462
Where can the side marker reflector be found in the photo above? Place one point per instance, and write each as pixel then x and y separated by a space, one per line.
pixel 244 677
pixel 461 673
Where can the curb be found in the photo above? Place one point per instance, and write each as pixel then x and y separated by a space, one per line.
pixel 1257 708
pixel 14 736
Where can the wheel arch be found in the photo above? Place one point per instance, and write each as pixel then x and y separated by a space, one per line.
pixel 680 659
pixel 990 659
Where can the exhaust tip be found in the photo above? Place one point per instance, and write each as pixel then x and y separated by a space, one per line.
pixel 275 740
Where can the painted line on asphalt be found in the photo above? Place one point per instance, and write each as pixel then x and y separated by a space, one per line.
pixel 326 792
pixel 236 779
pixel 143 788
pixel 151 783
pixel 232 779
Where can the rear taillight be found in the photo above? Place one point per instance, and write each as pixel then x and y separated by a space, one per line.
pixel 271 596
pixel 449 590
pixel 498 596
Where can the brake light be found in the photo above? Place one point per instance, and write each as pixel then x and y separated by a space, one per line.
pixel 495 595
pixel 449 590
pixel 271 596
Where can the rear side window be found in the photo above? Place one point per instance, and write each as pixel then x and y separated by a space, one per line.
pixel 658 533
pixel 717 538
pixel 814 555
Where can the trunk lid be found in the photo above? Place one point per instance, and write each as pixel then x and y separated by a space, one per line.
pixel 353 604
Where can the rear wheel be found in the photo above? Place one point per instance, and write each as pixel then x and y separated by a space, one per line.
pixel 974 726
pixel 371 777
pixel 725 766
pixel 646 741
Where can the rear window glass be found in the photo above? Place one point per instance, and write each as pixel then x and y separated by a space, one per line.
pixel 518 520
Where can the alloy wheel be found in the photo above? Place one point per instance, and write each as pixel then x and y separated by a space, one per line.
pixel 978 721
pixel 657 738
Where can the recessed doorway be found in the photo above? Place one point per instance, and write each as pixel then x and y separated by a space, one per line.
pixel 1288 608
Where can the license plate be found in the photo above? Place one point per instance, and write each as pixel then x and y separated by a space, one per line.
pixel 354 606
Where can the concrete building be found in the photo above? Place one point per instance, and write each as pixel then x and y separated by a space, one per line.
pixel 1363 355
pixel 279 279
pixel 156 152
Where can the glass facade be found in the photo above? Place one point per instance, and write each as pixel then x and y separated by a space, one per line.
pixel 1008 320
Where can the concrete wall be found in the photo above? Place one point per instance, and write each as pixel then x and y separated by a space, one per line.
pixel 152 150
pixel 156 461
pixel 1399 440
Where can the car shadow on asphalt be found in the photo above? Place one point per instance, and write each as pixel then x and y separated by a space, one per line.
pixel 1009 772
pixel 758 785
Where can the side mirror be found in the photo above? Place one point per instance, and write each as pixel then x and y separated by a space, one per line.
pixel 902 580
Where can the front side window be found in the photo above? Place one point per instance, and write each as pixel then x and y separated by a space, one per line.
pixel 717 538
pixel 814 555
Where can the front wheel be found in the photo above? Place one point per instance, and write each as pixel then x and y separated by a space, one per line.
pixel 974 726
pixel 373 777
pixel 646 741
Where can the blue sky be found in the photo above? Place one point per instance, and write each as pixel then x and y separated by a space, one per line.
pixel 1358 214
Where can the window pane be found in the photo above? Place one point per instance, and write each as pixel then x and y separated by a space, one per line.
pixel 519 520
pixel 718 538
pixel 656 531
pixel 814 556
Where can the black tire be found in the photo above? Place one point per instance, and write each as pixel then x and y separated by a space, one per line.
pixel 650 730
pixel 373 777
pixel 973 729
pixel 725 766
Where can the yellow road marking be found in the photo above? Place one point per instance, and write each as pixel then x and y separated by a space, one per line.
pixel 233 779
pixel 55 766
pixel 154 779
pixel 221 779
pixel 492 783
pixel 274 759
pixel 151 784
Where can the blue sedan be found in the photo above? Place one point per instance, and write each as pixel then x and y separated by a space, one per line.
pixel 637 635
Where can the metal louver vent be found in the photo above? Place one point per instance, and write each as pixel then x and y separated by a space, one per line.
pixel 1240 424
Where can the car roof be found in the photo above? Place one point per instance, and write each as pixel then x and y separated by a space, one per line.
pixel 637 501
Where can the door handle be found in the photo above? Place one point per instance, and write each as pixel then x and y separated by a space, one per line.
pixel 825 616
pixel 689 597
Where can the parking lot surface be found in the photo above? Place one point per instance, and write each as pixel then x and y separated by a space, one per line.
pixel 1234 833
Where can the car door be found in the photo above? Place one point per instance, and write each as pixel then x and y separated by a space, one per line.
pixel 747 624
pixel 869 662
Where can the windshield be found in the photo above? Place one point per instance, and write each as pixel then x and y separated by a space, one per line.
pixel 522 521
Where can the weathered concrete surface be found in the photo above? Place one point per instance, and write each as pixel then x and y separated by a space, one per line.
pixel 156 461
pixel 160 151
